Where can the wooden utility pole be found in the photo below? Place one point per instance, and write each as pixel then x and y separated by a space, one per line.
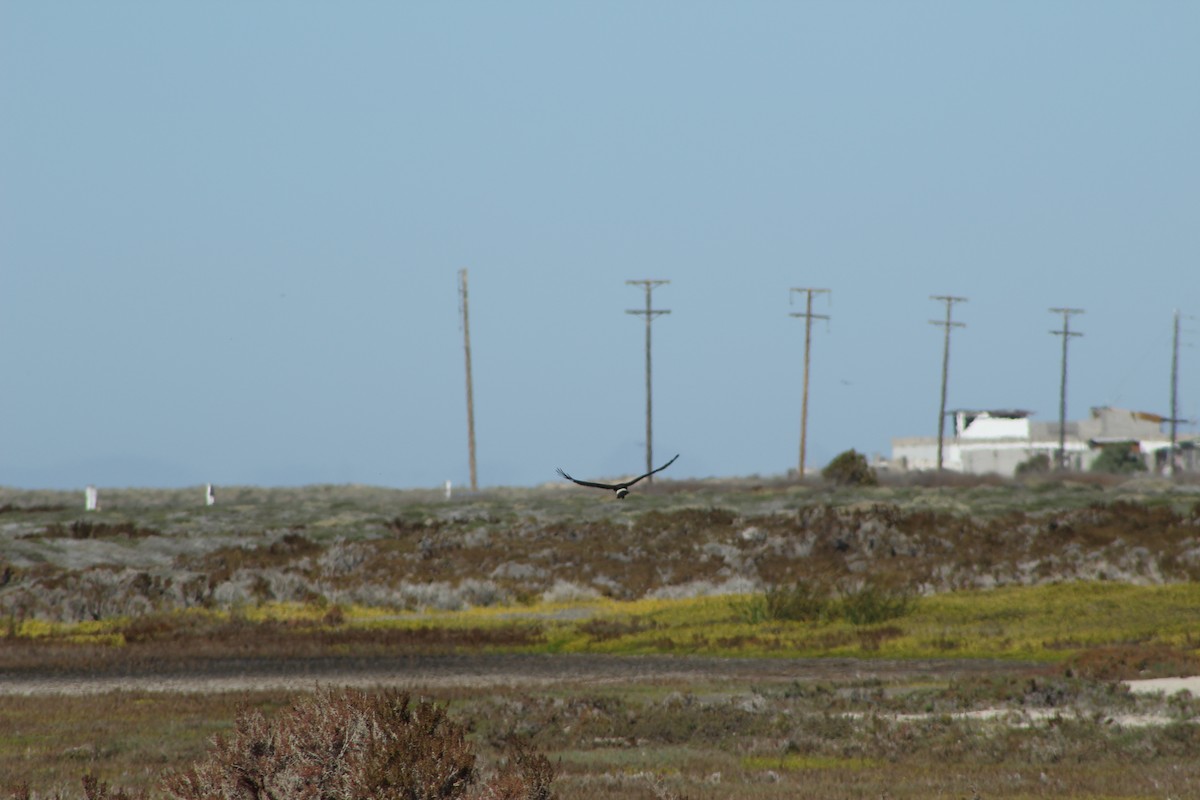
pixel 650 314
pixel 466 326
pixel 1066 333
pixel 809 316
pixel 949 300
pixel 1174 395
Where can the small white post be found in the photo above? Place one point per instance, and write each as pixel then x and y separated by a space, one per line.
pixel 91 499
pixel 447 490
pixel 210 497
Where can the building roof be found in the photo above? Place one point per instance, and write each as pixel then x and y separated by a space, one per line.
pixel 1006 413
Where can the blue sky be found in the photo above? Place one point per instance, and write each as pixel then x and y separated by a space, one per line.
pixel 230 232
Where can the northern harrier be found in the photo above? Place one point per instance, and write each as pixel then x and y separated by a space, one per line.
pixel 622 489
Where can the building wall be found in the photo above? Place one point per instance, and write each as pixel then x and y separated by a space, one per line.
pixel 981 457
pixel 920 452
pixel 1001 461
pixel 1120 423
pixel 999 444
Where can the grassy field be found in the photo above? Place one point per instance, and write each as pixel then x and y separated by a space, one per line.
pixel 1049 593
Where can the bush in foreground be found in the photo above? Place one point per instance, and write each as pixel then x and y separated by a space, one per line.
pixel 352 744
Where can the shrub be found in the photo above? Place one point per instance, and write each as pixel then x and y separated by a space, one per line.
pixel 867 603
pixel 351 744
pixel 86 529
pixel 1118 458
pixel 799 602
pixel 871 603
pixel 850 469
pixel 1128 661
pixel 95 789
pixel 525 775
pixel 1038 464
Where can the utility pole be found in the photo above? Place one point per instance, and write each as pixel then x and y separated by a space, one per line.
pixel 809 316
pixel 1174 395
pixel 650 314
pixel 1066 333
pixel 949 300
pixel 466 326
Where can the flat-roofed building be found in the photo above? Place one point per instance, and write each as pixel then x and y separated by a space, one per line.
pixel 998 441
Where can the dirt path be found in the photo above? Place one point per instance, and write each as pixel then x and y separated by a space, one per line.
pixel 238 675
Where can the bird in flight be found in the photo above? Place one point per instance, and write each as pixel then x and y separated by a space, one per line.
pixel 622 489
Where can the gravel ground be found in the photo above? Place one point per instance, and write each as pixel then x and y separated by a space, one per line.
pixel 235 675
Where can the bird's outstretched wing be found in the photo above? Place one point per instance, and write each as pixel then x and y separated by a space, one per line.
pixel 608 486
pixel 651 472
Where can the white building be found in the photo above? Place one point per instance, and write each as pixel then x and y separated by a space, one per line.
pixel 998 441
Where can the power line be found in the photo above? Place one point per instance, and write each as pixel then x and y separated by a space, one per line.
pixel 1066 333
pixel 809 316
pixel 947 324
pixel 649 313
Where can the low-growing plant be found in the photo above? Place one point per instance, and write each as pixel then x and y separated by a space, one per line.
pixel 352 744
pixel 864 603
pixel 96 789
pixel 802 601
pixel 86 529
pixel 869 603
pixel 751 609
pixel 1128 661
pixel 526 774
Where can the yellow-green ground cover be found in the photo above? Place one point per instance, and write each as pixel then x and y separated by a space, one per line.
pixel 1032 623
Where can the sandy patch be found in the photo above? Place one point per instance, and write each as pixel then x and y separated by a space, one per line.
pixel 1165 685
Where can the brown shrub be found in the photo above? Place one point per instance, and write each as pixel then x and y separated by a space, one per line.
pixel 96 789
pixel 352 744
pixel 1131 661
pixel 525 775
pixel 86 529
pixel 221 564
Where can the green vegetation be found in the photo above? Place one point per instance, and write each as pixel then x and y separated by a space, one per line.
pixel 960 637
pixel 861 603
pixel 850 469
pixel 1047 623
pixel 1038 464
pixel 1119 458
pixel 799 602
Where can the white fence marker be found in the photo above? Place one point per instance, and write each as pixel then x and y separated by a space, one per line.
pixel 91 499
pixel 447 490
